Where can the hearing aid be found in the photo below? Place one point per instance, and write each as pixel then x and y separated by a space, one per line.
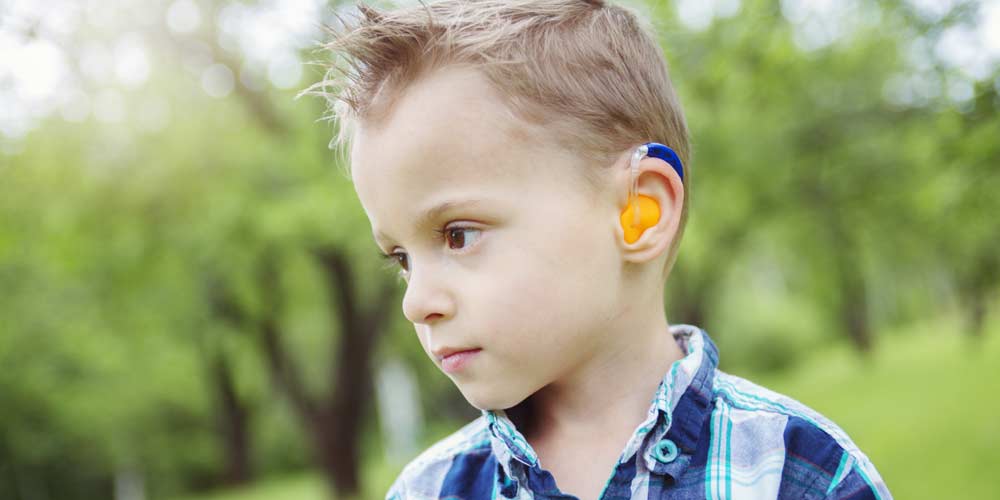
pixel 643 212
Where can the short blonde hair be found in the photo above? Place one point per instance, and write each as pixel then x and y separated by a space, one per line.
pixel 591 73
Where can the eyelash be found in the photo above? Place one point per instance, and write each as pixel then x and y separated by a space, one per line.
pixel 393 261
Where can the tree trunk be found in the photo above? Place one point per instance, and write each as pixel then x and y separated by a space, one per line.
pixel 338 456
pixel 980 281
pixel 352 373
pixel 233 425
pixel 852 292
pixel 232 414
pixel 334 423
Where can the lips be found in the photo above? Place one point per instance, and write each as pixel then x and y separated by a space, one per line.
pixel 453 360
pixel 440 354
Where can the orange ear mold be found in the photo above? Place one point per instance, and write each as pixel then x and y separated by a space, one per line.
pixel 649 215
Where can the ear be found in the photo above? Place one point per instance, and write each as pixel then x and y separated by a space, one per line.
pixel 659 181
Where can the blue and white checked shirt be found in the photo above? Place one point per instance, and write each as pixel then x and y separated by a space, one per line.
pixel 708 435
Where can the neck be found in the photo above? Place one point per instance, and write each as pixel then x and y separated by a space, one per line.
pixel 610 392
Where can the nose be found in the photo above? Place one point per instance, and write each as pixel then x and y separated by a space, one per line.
pixel 426 300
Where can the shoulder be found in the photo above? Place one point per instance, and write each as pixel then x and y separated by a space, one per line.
pixel 819 459
pixel 424 476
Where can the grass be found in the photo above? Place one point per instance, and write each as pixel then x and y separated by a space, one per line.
pixel 306 486
pixel 924 409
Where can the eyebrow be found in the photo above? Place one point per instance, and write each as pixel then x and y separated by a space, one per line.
pixel 434 212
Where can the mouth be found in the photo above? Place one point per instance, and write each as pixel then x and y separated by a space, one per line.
pixel 453 360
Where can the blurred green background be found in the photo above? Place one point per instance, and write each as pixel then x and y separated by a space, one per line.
pixel 192 307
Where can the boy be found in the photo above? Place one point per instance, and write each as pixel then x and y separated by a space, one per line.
pixel 496 147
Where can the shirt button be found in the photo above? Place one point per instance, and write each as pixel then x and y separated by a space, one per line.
pixel 666 451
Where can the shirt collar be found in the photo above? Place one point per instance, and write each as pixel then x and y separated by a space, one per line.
pixel 676 412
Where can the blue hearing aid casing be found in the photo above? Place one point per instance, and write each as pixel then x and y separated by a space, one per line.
pixel 657 150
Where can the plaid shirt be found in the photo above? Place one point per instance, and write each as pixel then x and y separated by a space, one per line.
pixel 707 435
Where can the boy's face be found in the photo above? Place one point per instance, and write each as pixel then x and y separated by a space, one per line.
pixel 529 272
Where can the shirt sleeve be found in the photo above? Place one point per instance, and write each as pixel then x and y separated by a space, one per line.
pixel 396 491
pixel 860 485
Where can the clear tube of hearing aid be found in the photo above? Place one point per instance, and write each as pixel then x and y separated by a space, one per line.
pixel 638 155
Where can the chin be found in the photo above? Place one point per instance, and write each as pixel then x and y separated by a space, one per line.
pixel 484 400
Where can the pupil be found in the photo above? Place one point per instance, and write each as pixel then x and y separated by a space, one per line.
pixel 458 241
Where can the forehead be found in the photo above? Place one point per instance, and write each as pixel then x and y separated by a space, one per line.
pixel 449 136
pixel 446 117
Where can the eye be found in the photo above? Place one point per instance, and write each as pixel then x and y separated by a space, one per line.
pixel 402 259
pixel 397 258
pixel 458 237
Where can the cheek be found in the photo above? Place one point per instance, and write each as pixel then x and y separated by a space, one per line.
pixel 544 292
